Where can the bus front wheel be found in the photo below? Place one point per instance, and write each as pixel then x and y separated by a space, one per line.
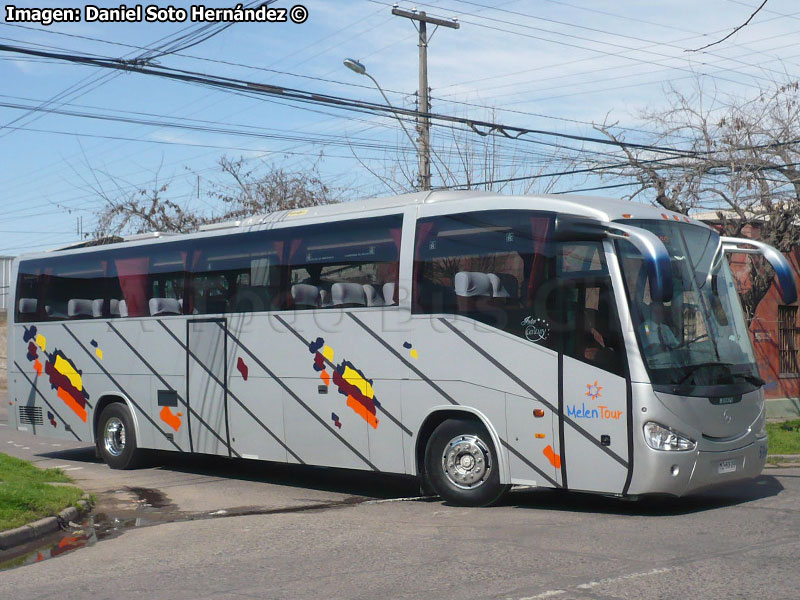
pixel 461 464
pixel 116 437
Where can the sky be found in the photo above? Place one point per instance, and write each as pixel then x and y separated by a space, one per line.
pixel 557 65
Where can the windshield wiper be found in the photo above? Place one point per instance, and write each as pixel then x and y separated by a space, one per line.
pixel 682 384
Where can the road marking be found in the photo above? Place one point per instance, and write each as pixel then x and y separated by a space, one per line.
pixel 10 442
pixel 61 467
pixel 55 445
pixel 591 584
pixel 73 468
pixel 3 425
pixel 26 448
pixel 547 594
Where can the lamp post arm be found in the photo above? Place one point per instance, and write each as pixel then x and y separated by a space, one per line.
pixel 389 104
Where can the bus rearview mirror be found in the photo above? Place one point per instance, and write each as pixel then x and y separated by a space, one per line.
pixel 652 249
pixel 783 270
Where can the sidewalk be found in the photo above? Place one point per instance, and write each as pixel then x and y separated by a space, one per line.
pixel 780 409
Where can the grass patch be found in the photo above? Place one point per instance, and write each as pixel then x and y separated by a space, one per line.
pixel 26 494
pixel 784 438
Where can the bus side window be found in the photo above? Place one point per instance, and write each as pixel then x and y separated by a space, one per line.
pixel 347 264
pixel 492 266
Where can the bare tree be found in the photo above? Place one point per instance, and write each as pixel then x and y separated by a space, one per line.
pixel 141 210
pixel 272 189
pixel 253 191
pixel 464 159
pixel 739 160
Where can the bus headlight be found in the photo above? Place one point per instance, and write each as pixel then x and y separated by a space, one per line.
pixel 759 426
pixel 659 437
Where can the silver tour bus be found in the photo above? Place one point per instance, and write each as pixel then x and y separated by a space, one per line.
pixel 474 340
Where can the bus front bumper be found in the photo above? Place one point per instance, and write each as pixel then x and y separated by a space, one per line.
pixel 715 468
pixel 682 473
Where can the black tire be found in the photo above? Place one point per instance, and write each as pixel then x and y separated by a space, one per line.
pixel 116 438
pixel 461 464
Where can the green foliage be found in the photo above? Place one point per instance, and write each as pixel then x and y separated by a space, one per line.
pixel 26 494
pixel 784 437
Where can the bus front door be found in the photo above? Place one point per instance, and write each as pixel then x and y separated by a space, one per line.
pixel 205 385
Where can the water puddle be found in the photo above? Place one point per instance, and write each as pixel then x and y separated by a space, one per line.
pixel 133 507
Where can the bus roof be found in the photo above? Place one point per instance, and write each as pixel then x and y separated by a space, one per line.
pixel 604 209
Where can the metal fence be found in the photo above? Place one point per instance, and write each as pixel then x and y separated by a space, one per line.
pixel 5 281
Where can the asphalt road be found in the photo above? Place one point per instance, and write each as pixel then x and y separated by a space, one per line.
pixel 212 528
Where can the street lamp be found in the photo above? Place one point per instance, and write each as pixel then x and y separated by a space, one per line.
pixel 359 68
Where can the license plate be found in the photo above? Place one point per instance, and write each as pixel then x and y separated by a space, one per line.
pixel 727 466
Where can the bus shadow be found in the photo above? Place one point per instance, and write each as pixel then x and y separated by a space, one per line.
pixel 84 455
pixel 342 481
pixel 765 486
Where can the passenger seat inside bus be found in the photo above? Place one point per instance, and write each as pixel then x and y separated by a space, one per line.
pixel 479 291
pixel 79 308
pixel 372 295
pixel 28 306
pixel 305 295
pixel 348 295
pixel 388 293
pixel 160 307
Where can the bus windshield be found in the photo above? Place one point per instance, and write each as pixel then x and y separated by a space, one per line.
pixel 699 338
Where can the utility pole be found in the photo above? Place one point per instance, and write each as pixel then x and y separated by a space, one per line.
pixel 423 122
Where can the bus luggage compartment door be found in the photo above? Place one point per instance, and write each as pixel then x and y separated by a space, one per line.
pixel 206 387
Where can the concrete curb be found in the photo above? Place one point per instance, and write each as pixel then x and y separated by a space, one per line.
pixel 32 531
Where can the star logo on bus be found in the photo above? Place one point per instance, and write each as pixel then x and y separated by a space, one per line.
pixel 593 390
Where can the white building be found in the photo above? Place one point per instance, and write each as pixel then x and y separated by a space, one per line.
pixel 5 281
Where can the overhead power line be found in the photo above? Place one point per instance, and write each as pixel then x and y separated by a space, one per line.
pixel 750 18
pixel 483 128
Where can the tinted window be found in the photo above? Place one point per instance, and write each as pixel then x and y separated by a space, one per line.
pixel 503 269
pixel 497 267
pixel 344 264
pixel 348 263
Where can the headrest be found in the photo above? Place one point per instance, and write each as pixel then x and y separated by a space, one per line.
pixel 388 292
pixel 28 306
pixel 79 307
pixel 348 293
pixel 373 297
pixel 470 283
pixel 498 289
pixel 164 306
pixel 113 307
pixel 123 308
pixel 97 308
pixel 305 294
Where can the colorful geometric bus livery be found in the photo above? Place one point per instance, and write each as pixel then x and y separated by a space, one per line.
pixel 63 375
pixel 350 382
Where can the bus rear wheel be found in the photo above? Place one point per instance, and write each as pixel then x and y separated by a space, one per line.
pixel 116 438
pixel 461 464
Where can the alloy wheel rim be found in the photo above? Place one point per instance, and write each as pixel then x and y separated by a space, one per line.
pixel 467 462
pixel 114 436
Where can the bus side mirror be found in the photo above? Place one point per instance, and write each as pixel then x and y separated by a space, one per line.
pixel 655 255
pixel 652 249
pixel 783 269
